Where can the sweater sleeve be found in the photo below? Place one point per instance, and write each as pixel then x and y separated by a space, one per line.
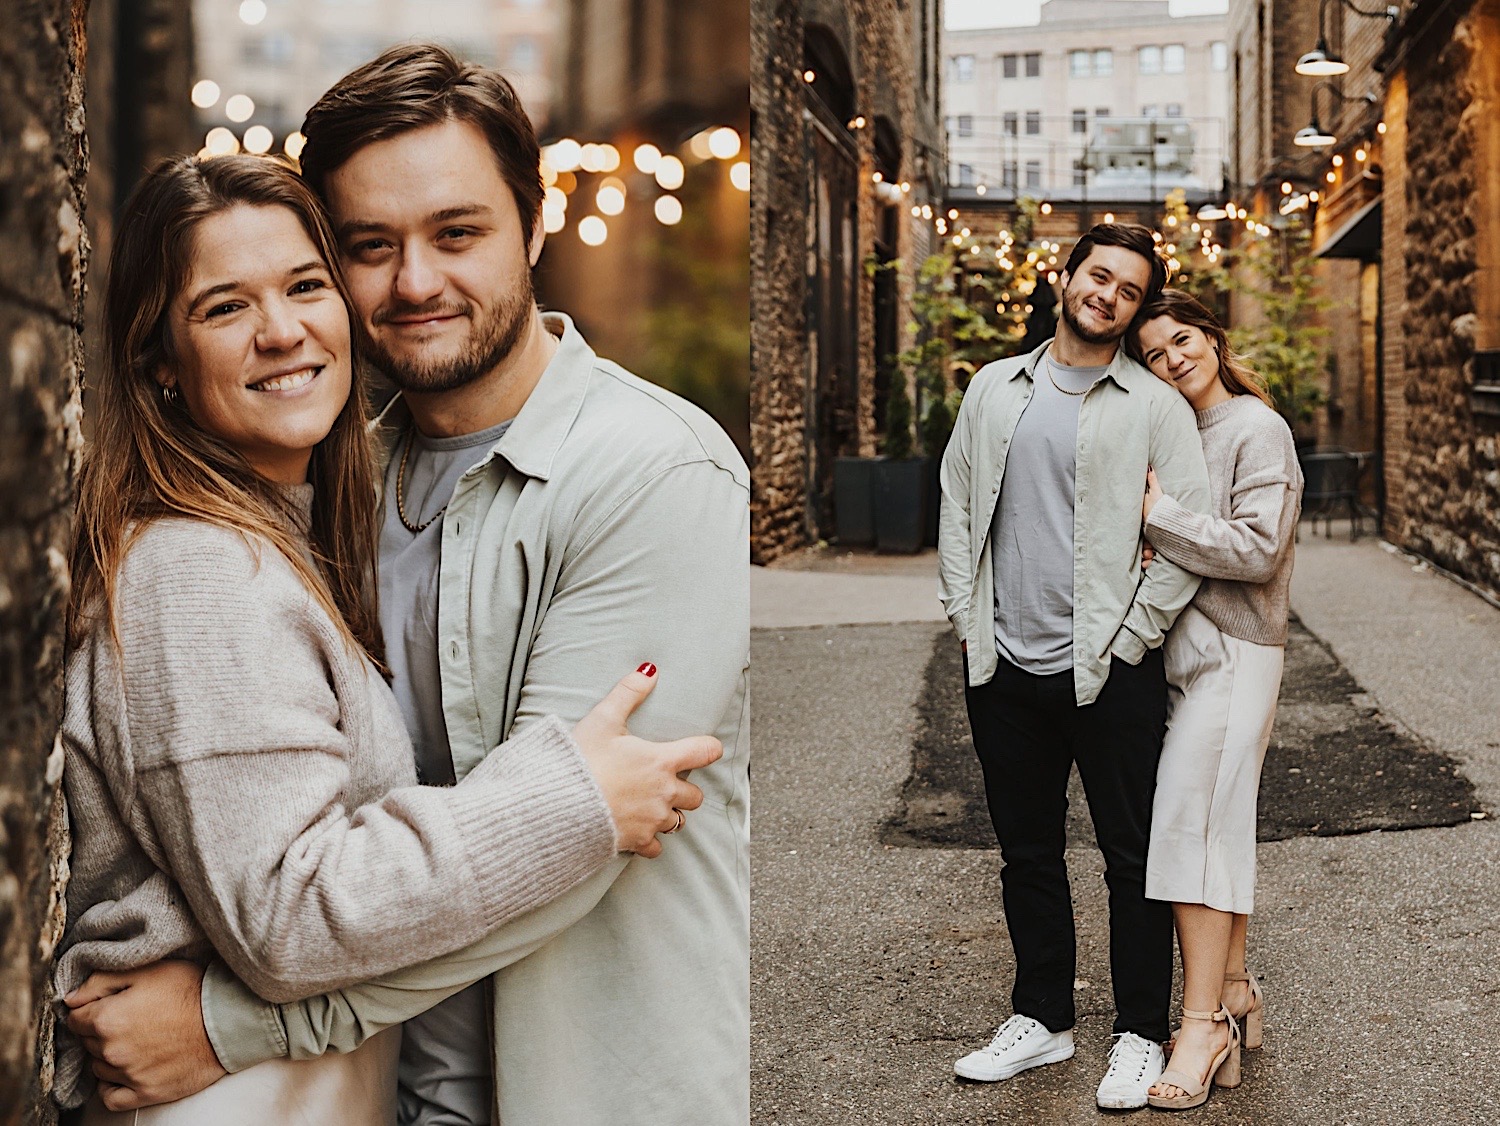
pixel 1247 546
pixel 242 758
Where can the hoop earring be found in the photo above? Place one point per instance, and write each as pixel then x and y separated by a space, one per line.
pixel 169 395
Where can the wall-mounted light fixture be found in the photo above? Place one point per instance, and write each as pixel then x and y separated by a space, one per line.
pixel 1322 62
pixel 1313 135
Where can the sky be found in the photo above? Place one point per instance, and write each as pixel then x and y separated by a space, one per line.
pixel 962 14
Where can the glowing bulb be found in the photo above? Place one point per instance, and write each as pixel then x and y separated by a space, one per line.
pixel 258 139
pixel 1286 187
pixel 293 145
pixel 953 213
pixel 591 158
pixel 739 175
pixel 609 158
pixel 564 155
pixel 555 198
pixel 980 190
pixel 646 158
pixel 592 231
pixel 253 11
pixel 239 108
pixel 1380 128
pixel 668 209
pixel 221 142
pixel 1359 155
pixel 610 200
pixel 669 173
pixel 1338 161
pixel 553 219
pixel 1109 216
pixel 549 175
pixel 1330 177
pixel 724 143
pixel 1046 209
pixel 205 93
pixel 809 75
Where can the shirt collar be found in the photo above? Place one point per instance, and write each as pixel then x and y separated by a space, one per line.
pixel 532 442
pixel 1122 370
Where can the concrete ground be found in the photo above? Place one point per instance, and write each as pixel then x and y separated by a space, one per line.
pixel 874 966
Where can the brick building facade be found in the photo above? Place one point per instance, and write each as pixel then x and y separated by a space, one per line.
pixel 846 145
pixel 1405 218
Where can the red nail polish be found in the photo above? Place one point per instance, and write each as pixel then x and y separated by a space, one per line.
pixel 648 669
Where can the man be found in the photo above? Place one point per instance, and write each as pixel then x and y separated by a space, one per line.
pixel 549 520
pixel 1039 558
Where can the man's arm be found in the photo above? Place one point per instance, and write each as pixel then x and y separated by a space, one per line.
pixel 1165 588
pixel 954 574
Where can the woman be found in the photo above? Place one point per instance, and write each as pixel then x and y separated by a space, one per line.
pixel 238 776
pixel 1224 661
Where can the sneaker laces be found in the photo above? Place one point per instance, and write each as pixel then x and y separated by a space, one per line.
pixel 1009 1034
pixel 1129 1053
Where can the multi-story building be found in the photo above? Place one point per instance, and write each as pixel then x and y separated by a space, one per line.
pixel 282 54
pixel 848 150
pixel 1102 99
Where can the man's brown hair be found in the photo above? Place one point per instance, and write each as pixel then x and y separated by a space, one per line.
pixel 415 85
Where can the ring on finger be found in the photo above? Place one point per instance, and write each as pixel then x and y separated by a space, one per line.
pixel 681 820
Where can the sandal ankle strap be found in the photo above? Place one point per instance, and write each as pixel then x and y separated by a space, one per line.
pixel 1219 1014
pixel 1237 977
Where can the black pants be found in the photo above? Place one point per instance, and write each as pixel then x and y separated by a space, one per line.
pixel 1028 731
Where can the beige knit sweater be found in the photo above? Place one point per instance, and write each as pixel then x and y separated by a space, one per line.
pixel 1243 547
pixel 240 783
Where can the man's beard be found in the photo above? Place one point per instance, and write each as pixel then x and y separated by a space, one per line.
pixel 1072 306
pixel 490 342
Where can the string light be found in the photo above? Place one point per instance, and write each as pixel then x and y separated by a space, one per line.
pixel 253 11
pixel 724 143
pixel 669 173
pixel 809 76
pixel 647 158
pixel 293 145
pixel 739 175
pixel 205 93
pixel 668 210
pixel 592 231
pixel 258 139
pixel 221 142
pixel 610 198
pixel 239 108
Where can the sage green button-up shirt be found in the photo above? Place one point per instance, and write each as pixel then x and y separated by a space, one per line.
pixel 1128 420
pixel 608 526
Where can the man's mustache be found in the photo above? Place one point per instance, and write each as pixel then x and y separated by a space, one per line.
pixel 419 312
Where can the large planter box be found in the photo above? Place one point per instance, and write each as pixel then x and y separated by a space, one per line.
pixel 901 502
pixel 854 500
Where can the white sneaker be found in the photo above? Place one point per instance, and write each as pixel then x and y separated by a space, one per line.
pixel 1019 1043
pixel 1134 1064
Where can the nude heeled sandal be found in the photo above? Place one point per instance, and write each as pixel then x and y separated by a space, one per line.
pixel 1224 1071
pixel 1253 1017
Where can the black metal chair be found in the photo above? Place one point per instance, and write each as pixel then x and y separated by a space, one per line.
pixel 1331 487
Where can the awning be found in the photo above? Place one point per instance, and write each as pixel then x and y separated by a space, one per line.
pixel 1358 238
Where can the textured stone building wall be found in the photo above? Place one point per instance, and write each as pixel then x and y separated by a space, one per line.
pixel 42 170
pixel 1444 482
pixel 884 43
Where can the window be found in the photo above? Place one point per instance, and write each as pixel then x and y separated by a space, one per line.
pixel 1173 58
pixel 1008 124
pixel 1033 173
pixel 962 68
pixel 1008 66
pixel 966 125
pixel 1080 174
pixel 1104 62
pixel 1079 64
pixel 1081 121
pixel 1008 175
pixel 1033 122
pixel 1150 59
pixel 1218 55
pixel 1101 111
pixel 1174 109
pixel 1151 110
pixel 1033 65
pixel 965 175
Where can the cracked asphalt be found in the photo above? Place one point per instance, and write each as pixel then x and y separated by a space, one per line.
pixel 874 964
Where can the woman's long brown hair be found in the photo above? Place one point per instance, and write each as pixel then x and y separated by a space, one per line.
pixel 1234 373
pixel 148 459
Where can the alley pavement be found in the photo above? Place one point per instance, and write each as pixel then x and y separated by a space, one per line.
pixel 878 958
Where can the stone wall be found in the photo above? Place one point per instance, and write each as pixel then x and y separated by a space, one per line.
pixel 884 43
pixel 1444 479
pixel 42 170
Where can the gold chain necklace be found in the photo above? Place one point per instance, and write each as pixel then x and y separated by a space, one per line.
pixel 411 436
pixel 1050 376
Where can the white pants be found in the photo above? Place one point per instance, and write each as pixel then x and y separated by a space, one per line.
pixel 356 1088
pixel 1221 704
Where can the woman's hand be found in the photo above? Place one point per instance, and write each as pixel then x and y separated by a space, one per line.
pixel 639 778
pixel 1153 494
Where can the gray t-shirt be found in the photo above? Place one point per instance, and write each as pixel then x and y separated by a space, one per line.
pixel 446 1068
pixel 1032 534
